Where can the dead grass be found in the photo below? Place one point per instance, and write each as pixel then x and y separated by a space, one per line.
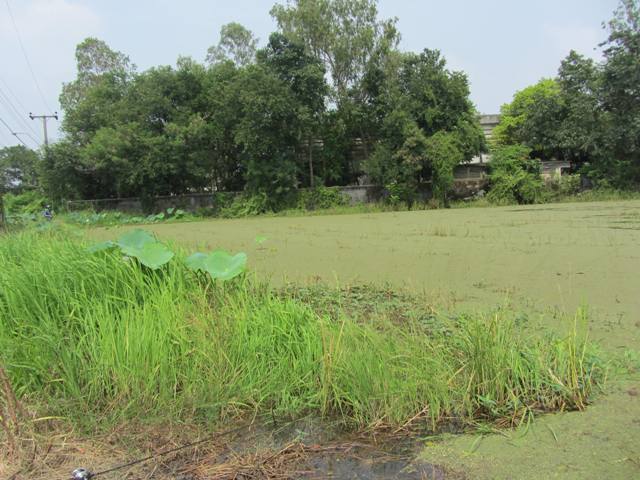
pixel 57 456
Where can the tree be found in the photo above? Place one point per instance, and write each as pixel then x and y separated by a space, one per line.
pixel 91 100
pixel 344 34
pixel 304 75
pixel 443 154
pixel 268 133
pixel 533 119
pixel 589 114
pixel 621 97
pixel 237 44
pixel 578 128
pixel 18 169
pixel 427 124
pixel 62 174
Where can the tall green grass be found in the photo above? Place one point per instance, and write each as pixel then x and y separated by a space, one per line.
pixel 102 340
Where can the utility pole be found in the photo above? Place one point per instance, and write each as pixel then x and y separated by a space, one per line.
pixel 44 124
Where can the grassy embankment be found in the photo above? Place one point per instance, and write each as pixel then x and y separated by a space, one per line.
pixel 100 341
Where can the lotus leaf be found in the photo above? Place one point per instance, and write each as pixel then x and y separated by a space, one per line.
pixel 153 255
pixel 133 241
pixel 196 261
pixel 224 266
pixel 99 247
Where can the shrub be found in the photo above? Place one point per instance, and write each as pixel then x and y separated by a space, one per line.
pixel 30 202
pixel 321 197
pixel 564 185
pixel 514 177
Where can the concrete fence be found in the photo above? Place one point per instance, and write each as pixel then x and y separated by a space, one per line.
pixel 463 187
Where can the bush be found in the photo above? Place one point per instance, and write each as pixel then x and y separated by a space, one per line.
pixel 321 198
pixel 514 177
pixel 564 185
pixel 246 205
pixel 29 202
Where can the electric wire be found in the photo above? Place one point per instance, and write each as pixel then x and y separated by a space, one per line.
pixel 26 58
pixel 12 132
pixel 15 97
pixel 19 120
pixel 22 119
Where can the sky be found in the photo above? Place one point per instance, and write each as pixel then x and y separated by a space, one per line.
pixel 502 45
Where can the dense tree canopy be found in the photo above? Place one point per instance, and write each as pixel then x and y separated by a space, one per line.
pixel 327 91
pixel 590 113
pixel 328 100
pixel 427 125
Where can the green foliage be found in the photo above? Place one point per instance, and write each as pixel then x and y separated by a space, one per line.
pixel 245 206
pixel 589 114
pixel 345 34
pixel 428 127
pixel 220 265
pixel 237 44
pixel 29 202
pixel 531 119
pixel 80 334
pixel 140 245
pixel 514 177
pixel 18 169
pixel 108 218
pixel 564 186
pixel 444 154
pixel 320 198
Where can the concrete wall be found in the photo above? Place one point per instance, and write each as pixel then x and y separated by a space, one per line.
pixel 469 179
pixel 190 202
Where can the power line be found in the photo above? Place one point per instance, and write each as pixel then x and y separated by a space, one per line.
pixel 26 57
pixel 13 133
pixel 19 115
pixel 15 97
pixel 28 135
pixel 4 98
pixel 32 138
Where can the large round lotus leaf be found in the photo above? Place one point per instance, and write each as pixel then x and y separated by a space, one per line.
pixel 99 247
pixel 134 241
pixel 196 261
pixel 223 266
pixel 153 255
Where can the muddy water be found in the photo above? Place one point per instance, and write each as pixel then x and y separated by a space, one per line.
pixel 330 453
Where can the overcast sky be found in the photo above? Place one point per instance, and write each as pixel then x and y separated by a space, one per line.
pixel 503 45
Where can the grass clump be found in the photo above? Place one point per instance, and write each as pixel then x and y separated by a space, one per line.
pixel 101 340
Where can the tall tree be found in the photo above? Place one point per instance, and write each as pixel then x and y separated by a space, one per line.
pixel 237 44
pixel 621 94
pixel 304 75
pixel 577 127
pixel 427 124
pixel 90 101
pixel 533 119
pixel 344 34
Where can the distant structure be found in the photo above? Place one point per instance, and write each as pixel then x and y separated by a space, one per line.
pixel 487 123
pixel 478 168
